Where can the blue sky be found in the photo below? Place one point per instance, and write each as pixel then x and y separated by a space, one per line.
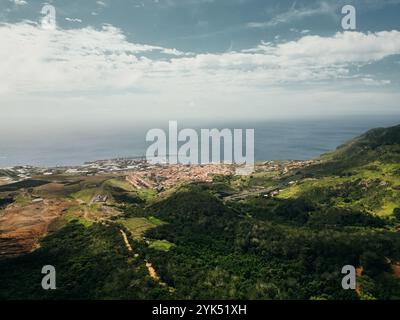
pixel 210 25
pixel 126 60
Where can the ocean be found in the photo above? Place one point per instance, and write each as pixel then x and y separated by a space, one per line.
pixel 274 140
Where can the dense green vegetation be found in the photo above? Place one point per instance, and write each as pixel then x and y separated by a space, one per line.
pixel 91 263
pixel 271 255
pixel 344 210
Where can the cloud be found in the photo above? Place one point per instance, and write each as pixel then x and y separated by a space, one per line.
pixel 311 58
pixel 174 3
pixel 374 82
pixel 295 14
pixel 19 2
pixel 76 59
pixel 89 59
pixel 102 3
pixel 305 31
pixel 73 20
pixel 88 69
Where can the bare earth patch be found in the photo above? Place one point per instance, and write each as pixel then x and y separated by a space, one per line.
pixel 22 227
pixel 396 269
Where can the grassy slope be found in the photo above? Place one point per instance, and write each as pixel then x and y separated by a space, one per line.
pixel 363 174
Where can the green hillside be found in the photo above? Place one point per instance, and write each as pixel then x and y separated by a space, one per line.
pixel 362 175
pixel 377 145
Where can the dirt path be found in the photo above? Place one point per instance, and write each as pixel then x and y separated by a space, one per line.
pixel 152 272
pixel 127 244
pixel 359 273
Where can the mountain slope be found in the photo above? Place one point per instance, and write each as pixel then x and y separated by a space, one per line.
pixel 381 144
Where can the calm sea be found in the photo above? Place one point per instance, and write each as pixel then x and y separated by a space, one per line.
pixel 274 140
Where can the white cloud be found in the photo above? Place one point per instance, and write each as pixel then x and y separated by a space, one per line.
pixel 88 67
pixel 77 59
pixel 73 20
pixel 374 82
pixel 101 3
pixel 295 14
pixel 89 59
pixel 19 2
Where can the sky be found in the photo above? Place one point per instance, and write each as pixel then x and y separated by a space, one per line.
pixel 129 62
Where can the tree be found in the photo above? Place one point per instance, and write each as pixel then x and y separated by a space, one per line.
pixel 396 213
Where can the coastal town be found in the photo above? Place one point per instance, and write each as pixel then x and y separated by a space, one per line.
pixel 143 174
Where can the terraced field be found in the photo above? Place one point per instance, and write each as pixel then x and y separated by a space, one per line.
pixel 139 226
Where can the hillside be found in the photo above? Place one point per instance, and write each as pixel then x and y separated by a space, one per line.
pixel 362 174
pixel 376 145
pixel 285 232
